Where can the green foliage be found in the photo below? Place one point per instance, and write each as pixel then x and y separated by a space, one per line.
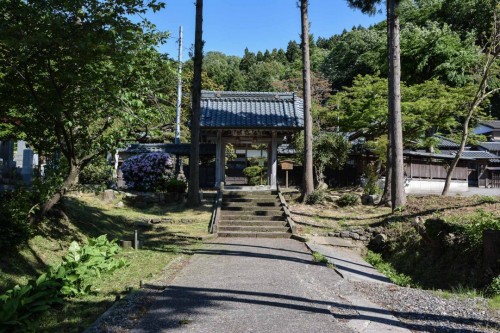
pixel 376 260
pixel 330 149
pixel 357 52
pixel 494 287
pixel 435 51
pixel 348 199
pixel 262 75
pixel 428 107
pixel 15 209
pixel 21 307
pixel 98 172
pixel 321 259
pixel 316 197
pixel 474 224
pixel 83 264
pixel 91 75
pixel 371 174
pixel 254 174
pixel 176 186
pixel 487 199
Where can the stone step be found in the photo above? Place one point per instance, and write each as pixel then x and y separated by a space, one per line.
pixel 250 204
pixel 254 234
pixel 247 198
pixel 224 228
pixel 252 223
pixel 252 208
pixel 251 193
pixel 234 214
pixel 230 216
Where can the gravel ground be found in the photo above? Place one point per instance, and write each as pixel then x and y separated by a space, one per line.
pixel 424 311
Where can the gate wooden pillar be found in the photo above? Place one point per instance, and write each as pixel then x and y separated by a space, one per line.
pixel 274 161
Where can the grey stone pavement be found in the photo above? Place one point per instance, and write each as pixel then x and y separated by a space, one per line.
pixel 261 285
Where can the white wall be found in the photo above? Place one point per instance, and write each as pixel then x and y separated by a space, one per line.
pixel 416 186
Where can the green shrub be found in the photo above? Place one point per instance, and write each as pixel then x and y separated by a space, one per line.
pixel 99 172
pixel 348 199
pixel 21 307
pixel 316 197
pixel 83 264
pixel 176 186
pixel 474 224
pixel 488 199
pixel 14 219
pixel 494 287
pixel 371 186
pixel 254 174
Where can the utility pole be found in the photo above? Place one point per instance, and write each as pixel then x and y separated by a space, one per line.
pixel 178 163
pixel 179 92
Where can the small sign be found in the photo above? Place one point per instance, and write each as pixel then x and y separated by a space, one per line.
pixel 287 165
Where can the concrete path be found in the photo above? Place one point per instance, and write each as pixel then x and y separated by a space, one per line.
pixel 260 285
pixel 349 264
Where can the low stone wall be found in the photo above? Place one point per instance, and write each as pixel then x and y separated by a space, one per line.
pixel 366 235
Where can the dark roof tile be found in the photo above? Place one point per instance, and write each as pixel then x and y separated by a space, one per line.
pixel 226 109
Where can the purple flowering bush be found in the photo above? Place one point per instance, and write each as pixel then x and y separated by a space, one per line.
pixel 148 171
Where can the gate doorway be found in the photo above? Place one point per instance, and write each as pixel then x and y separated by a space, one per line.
pixel 245 156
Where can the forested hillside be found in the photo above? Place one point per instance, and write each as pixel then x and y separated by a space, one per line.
pixel 441 47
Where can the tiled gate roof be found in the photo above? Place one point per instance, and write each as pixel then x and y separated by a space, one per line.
pixel 234 109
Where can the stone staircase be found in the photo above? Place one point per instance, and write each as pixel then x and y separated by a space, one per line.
pixel 252 214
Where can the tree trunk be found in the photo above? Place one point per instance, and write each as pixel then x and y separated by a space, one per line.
pixel 194 158
pixel 398 196
pixel 308 187
pixel 71 180
pixel 386 196
pixel 493 53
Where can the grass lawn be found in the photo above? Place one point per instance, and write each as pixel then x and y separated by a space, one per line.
pixel 86 215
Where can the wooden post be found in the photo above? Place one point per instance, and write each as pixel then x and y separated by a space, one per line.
pixel 286 178
pixel 136 240
pixel 274 160
pixel 218 159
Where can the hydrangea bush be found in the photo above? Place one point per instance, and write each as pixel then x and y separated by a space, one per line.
pixel 148 171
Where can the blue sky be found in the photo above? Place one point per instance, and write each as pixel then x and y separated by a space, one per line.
pixel 231 25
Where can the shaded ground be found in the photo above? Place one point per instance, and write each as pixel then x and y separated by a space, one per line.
pixel 260 285
pixel 86 215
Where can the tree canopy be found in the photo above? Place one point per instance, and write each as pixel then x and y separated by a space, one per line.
pixel 77 76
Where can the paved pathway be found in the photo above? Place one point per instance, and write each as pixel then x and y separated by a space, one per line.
pixel 259 285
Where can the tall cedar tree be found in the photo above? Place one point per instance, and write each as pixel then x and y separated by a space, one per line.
pixel 308 187
pixel 194 158
pixel 398 196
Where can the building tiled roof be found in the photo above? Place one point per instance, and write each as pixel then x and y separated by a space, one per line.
pixel 445 143
pixel 433 155
pixel 174 149
pixel 234 109
pixel 494 146
pixel 477 154
pixel 495 124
